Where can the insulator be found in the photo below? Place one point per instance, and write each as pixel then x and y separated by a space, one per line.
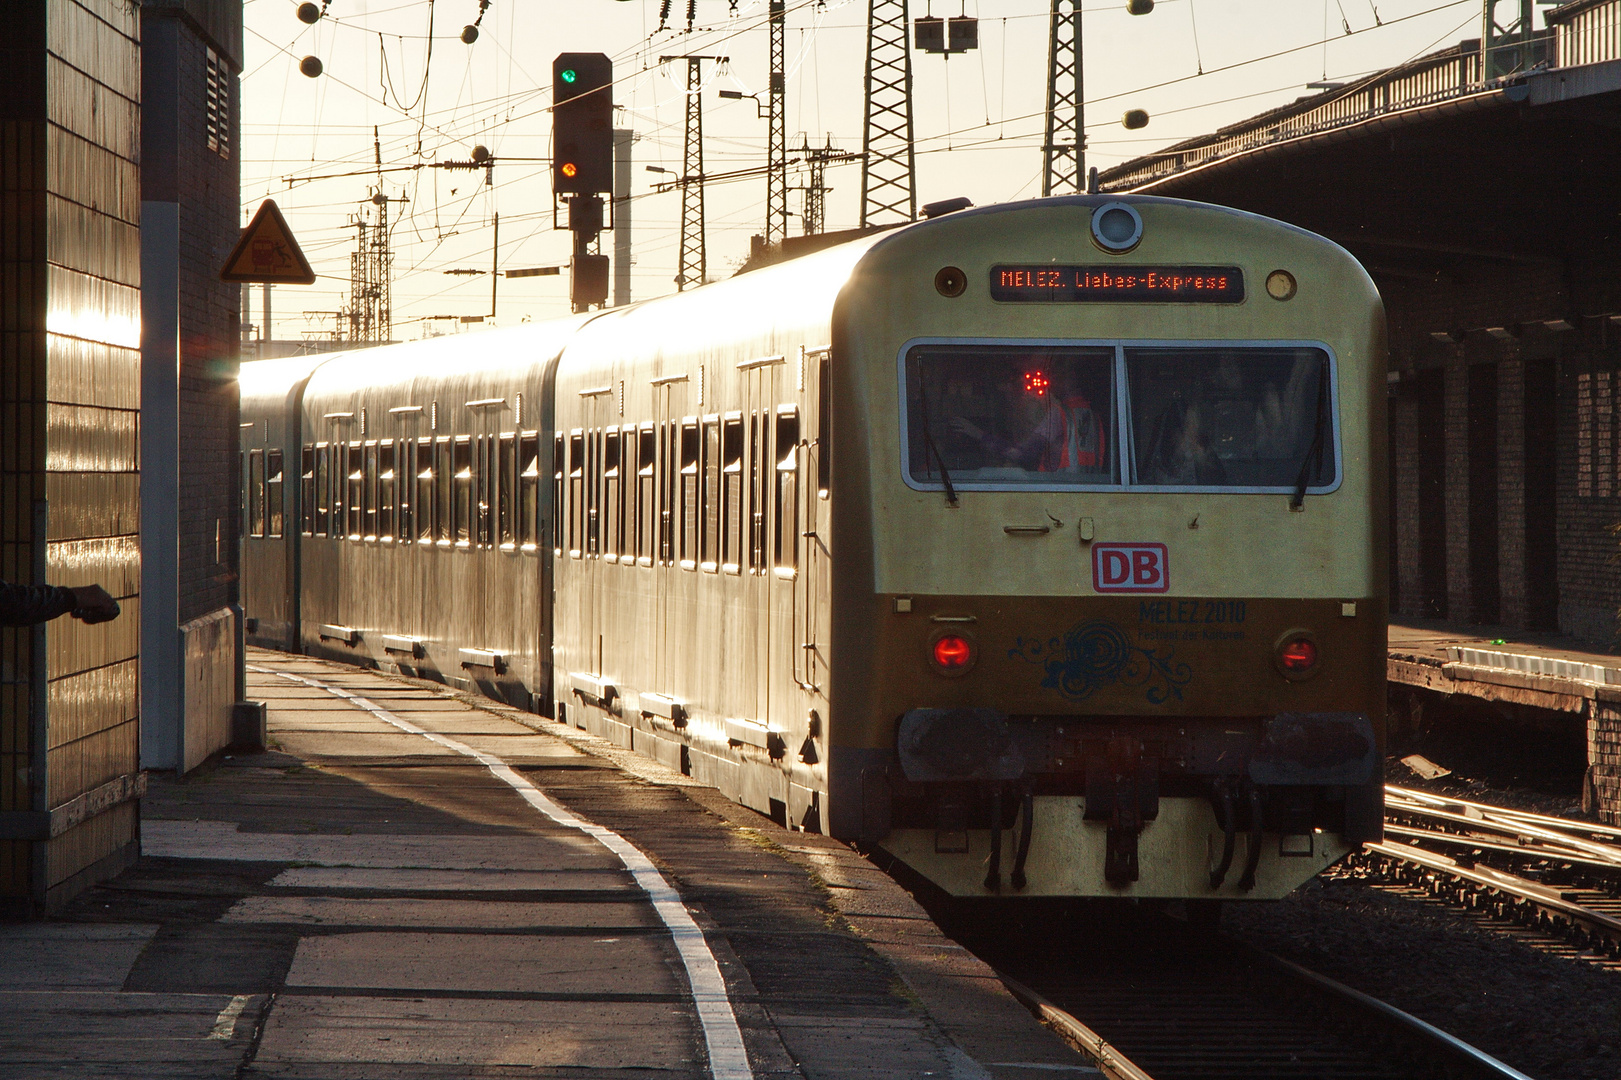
pixel 310 66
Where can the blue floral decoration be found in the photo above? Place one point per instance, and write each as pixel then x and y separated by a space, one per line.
pixel 1091 655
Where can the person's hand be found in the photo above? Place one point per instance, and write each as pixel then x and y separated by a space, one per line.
pixel 93 604
pixel 964 426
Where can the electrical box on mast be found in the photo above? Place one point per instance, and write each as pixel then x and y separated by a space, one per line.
pixel 582 124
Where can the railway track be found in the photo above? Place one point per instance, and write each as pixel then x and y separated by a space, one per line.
pixel 1152 998
pixel 1556 877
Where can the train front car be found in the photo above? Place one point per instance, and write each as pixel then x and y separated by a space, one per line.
pixel 1119 466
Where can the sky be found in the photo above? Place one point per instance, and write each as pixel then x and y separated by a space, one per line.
pixel 400 66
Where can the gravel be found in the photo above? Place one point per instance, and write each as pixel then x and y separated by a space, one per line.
pixel 1552 1016
pixel 1548 1016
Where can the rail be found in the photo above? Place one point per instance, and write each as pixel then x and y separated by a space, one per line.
pixel 1431 1047
pixel 1575 866
pixel 1580 33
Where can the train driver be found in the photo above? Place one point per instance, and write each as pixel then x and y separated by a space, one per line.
pixel 1067 436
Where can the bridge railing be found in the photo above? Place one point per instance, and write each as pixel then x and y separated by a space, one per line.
pixel 1437 77
pixel 1584 32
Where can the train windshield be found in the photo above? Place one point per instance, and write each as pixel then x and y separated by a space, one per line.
pixel 1212 417
pixel 1012 416
pixel 1242 418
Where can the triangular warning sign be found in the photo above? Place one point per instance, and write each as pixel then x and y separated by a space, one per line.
pixel 267 252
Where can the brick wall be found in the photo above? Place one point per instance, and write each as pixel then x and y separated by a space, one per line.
pixel 1513 606
pixel 206 185
pixel 69 401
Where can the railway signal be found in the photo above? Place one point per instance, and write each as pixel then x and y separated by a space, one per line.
pixel 582 124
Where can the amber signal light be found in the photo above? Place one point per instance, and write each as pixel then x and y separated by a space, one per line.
pixel 570 170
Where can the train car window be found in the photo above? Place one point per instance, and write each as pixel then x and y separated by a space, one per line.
pixel 385 490
pixel 1231 417
pixel 646 493
pixel 273 493
pixel 557 495
pixel 709 549
pixel 323 489
pixel 368 514
pixel 482 474
pixel 576 490
pixel 824 429
pixel 306 489
pixel 506 523
pixel 785 550
pixel 593 492
pixel 462 508
pixel 256 493
pixel 528 503
pixel 759 439
pixel 666 479
pixel 689 495
pixel 242 491
pixel 355 488
pixel 731 494
pixel 423 511
pixel 443 486
pixel 1010 416
pixel 613 505
pixel 405 490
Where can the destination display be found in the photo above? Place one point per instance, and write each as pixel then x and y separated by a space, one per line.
pixel 1116 284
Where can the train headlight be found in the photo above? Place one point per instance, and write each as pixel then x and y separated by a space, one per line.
pixel 1116 227
pixel 952 653
pixel 1297 655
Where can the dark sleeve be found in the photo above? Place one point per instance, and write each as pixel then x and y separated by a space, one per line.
pixel 25 605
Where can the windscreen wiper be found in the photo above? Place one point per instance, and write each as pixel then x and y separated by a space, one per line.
pixel 1314 456
pixel 928 437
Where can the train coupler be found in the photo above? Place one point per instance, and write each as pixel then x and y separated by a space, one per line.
pixel 1122 789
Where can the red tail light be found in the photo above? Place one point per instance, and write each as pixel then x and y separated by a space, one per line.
pixel 952 654
pixel 1297 656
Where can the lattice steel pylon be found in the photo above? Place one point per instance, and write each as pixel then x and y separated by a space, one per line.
pixel 371 272
pixel 1063 151
pixel 694 259
pixel 776 174
pixel 888 184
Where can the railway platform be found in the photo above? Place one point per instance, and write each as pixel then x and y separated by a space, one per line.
pixel 1548 673
pixel 415 884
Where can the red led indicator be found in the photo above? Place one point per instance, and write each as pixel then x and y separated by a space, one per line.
pixel 952 652
pixel 1298 655
pixel 1037 383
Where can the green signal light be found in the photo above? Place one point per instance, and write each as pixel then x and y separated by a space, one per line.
pixel 569 75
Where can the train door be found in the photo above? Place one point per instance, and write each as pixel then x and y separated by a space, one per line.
pixel 814 473
pixel 760 391
pixel 593 524
pixel 668 397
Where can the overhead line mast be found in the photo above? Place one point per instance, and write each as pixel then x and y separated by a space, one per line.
pixel 694 264
pixel 776 180
pixel 1063 151
pixel 888 184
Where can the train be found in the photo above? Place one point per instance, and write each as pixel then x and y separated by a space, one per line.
pixel 1038 546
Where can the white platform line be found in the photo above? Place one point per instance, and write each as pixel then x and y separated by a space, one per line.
pixel 225 1022
pixel 728 1060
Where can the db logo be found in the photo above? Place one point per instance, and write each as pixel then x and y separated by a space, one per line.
pixel 1130 568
